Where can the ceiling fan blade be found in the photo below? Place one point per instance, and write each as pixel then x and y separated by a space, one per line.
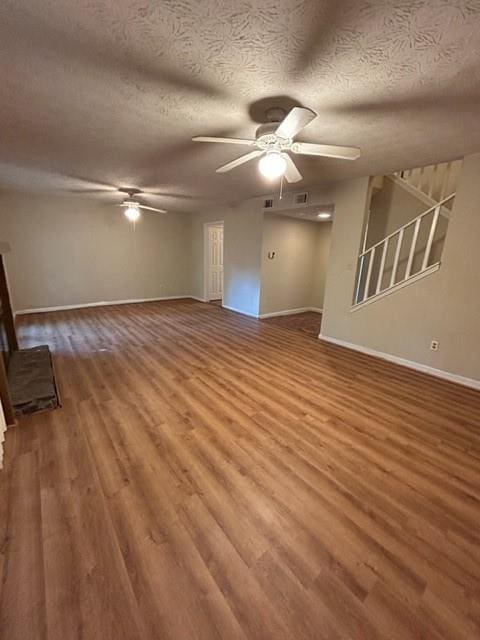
pixel 90 191
pixel 224 140
pixel 144 206
pixel 295 121
pixel 238 161
pixel 292 174
pixel 176 196
pixel 329 151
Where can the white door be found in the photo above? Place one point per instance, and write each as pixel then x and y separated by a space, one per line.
pixel 215 262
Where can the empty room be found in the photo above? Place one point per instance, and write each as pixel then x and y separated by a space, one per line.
pixel 240 320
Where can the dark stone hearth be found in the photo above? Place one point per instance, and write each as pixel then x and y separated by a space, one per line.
pixel 32 380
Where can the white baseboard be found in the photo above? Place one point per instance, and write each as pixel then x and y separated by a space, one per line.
pixel 103 303
pixel 197 298
pixel 417 366
pixel 289 312
pixel 285 312
pixel 244 313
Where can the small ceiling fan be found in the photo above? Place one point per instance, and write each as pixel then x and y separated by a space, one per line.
pixel 132 207
pixel 275 138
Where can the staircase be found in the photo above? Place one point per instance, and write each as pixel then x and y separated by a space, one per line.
pixel 413 250
pixel 431 184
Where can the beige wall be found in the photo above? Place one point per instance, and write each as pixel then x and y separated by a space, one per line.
pixel 242 257
pixel 324 237
pixel 391 207
pixel 242 237
pixel 253 284
pixel 72 250
pixel 444 306
pixel 295 277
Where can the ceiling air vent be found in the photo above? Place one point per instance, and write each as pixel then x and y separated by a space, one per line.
pixel 268 203
pixel 300 198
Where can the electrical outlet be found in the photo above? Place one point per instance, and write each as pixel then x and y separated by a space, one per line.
pixel 434 345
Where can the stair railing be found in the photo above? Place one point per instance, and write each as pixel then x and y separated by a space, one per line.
pixel 364 290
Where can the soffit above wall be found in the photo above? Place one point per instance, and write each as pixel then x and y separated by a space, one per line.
pixel 309 212
pixel 111 92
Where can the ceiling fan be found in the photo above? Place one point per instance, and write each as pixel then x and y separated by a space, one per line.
pixel 132 207
pixel 87 187
pixel 275 138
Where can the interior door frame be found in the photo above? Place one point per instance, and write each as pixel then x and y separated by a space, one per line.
pixel 206 226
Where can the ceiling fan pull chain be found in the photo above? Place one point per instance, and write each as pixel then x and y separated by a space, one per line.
pixel 281 187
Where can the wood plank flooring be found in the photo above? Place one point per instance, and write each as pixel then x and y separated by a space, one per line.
pixel 211 476
pixel 308 322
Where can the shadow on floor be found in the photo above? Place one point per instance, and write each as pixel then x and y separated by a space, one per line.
pixel 308 322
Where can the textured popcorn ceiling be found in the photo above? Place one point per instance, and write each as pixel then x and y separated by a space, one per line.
pixel 98 92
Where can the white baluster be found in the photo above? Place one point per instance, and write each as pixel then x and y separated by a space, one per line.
pixel 412 248
pixel 369 272
pixel 359 299
pixel 382 266
pixel 397 256
pixel 431 236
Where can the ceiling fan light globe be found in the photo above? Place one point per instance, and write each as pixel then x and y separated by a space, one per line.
pixel 272 165
pixel 132 213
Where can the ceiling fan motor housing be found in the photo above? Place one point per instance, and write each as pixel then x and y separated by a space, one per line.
pixel 268 140
pixel 275 114
pixel 130 191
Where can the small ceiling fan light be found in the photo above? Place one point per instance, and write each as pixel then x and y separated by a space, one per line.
pixel 132 213
pixel 272 165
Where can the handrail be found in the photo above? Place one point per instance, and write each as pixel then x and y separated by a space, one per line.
pixel 365 288
pixel 419 217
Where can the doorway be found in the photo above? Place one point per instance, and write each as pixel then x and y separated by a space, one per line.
pixel 214 261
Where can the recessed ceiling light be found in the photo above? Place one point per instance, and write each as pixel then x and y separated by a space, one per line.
pixel 324 215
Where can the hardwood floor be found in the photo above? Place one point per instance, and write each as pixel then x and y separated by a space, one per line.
pixel 308 322
pixel 211 476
